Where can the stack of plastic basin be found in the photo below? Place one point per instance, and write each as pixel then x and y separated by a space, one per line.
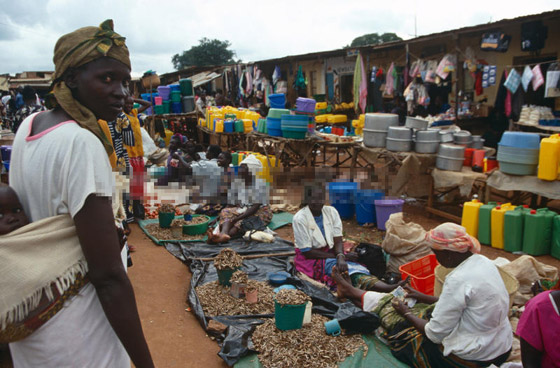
pixel 186 86
pixel 549 158
pixel 469 219
pixel 384 208
pixel 164 92
pixel 364 201
pixel 158 100
pixel 274 121
pixel 295 126
pixel 341 197
pixel 277 101
pixel 174 87
pixel 188 103
pixel 158 109
pixel 306 105
pixel 176 107
pixel 175 96
pixel 518 153
pixel 537 232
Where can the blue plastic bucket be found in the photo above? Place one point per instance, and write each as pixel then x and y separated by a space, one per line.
pixel 341 196
pixel 277 101
pixel 365 205
pixel 176 107
pixel 274 127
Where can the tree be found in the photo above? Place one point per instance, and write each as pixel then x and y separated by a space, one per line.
pixel 374 39
pixel 207 52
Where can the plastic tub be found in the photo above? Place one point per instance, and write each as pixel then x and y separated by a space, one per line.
pixel 164 92
pixel 517 169
pixel 158 109
pixel 521 140
pixel 288 317
pixel 174 87
pixel 384 208
pixel 276 113
pixel 278 278
pixel 188 103
pixel 365 205
pixel 196 229
pixel 6 152
pixel 175 96
pixel 165 219
pixel 225 275
pixel 422 273
pixel 341 197
pixel 186 87
pixel 274 127
pixel 166 107
pixel 176 107
pixel 305 104
pixel 277 100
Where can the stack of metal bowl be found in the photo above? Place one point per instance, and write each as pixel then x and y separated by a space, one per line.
pixel 450 157
pixel 399 139
pixel 427 141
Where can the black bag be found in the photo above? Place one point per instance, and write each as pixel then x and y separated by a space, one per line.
pixel 495 41
pixel 253 223
pixel 371 256
pixel 533 35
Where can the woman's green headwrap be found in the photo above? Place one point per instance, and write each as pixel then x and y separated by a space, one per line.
pixel 78 48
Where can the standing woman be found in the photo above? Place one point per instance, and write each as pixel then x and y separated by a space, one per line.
pixel 60 166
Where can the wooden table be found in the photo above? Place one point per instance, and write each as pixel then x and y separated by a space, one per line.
pixel 288 152
pixel 226 141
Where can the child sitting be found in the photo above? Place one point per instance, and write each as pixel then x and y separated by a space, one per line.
pixel 12 216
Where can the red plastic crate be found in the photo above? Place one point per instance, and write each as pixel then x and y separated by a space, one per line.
pixel 421 272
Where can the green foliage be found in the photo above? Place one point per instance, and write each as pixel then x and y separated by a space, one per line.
pixel 206 53
pixel 374 39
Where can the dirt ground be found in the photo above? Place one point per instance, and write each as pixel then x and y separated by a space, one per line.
pixel 161 281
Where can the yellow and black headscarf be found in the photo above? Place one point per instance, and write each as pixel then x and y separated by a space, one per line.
pixel 78 48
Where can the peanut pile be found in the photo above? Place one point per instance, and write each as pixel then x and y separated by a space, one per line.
pixel 291 297
pixel 227 259
pixel 217 301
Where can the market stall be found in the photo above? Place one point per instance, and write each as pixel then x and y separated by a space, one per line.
pixel 227 141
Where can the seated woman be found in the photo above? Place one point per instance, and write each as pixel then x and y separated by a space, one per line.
pixel 467 326
pixel 247 196
pixel 539 330
pixel 319 246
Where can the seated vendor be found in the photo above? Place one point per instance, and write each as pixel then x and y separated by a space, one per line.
pixel 319 246
pixel 539 330
pixel 467 326
pixel 247 197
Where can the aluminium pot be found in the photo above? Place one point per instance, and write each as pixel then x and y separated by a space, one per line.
pixel 399 145
pixel 416 123
pixel 399 132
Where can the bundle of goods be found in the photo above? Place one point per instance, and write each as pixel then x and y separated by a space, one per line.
pixel 518 153
pixel 229 119
pixel 308 346
pixel 513 228
pixel 535 115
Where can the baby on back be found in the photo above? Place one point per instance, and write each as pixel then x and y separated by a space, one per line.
pixel 12 216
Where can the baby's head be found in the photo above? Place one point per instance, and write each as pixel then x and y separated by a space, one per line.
pixel 12 216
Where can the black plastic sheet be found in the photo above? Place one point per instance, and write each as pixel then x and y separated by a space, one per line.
pixel 236 340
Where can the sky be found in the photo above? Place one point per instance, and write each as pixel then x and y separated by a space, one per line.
pixel 257 30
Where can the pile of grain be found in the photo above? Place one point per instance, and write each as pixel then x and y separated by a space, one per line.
pixel 291 297
pixel 307 347
pixel 165 234
pixel 239 277
pixel 217 301
pixel 166 208
pixel 227 259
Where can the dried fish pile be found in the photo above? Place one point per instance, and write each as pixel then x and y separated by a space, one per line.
pixel 239 277
pixel 291 297
pixel 195 221
pixel 166 208
pixel 165 234
pixel 217 301
pixel 307 347
pixel 227 259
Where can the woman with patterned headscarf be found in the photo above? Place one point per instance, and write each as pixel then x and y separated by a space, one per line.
pixel 60 168
pixel 467 326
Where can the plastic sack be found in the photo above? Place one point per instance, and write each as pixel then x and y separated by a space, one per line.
pixel 405 242
pixel 353 320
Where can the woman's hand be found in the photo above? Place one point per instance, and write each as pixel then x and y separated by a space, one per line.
pixel 400 306
pixel 341 264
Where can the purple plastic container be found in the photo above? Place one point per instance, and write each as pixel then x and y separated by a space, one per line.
pixel 384 208
pixel 305 104
pixel 164 92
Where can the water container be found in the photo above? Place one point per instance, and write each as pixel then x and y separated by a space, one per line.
pixel 166 106
pixel 175 96
pixel 478 160
pixel 186 87
pixel 164 92
pixel 239 127
pixel 176 107
pixel 484 216
pixel 219 125
pixel 365 205
pixel 188 103
pixel 555 247
pixel 277 101
pixel 228 126
pixel 497 224
pixel 274 127
pixel 468 157
pixel 341 197
pixel 158 100
pixel 384 208
pixel 549 157
pixel 470 217
pixel 537 232
pixel 248 125
pixel 513 229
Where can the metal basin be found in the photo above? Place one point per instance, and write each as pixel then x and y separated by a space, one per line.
pixel 445 136
pixel 416 123
pixel 399 145
pixel 399 133
pixel 427 136
pixel 452 151
pixel 426 146
pixel 375 138
pixel 380 121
